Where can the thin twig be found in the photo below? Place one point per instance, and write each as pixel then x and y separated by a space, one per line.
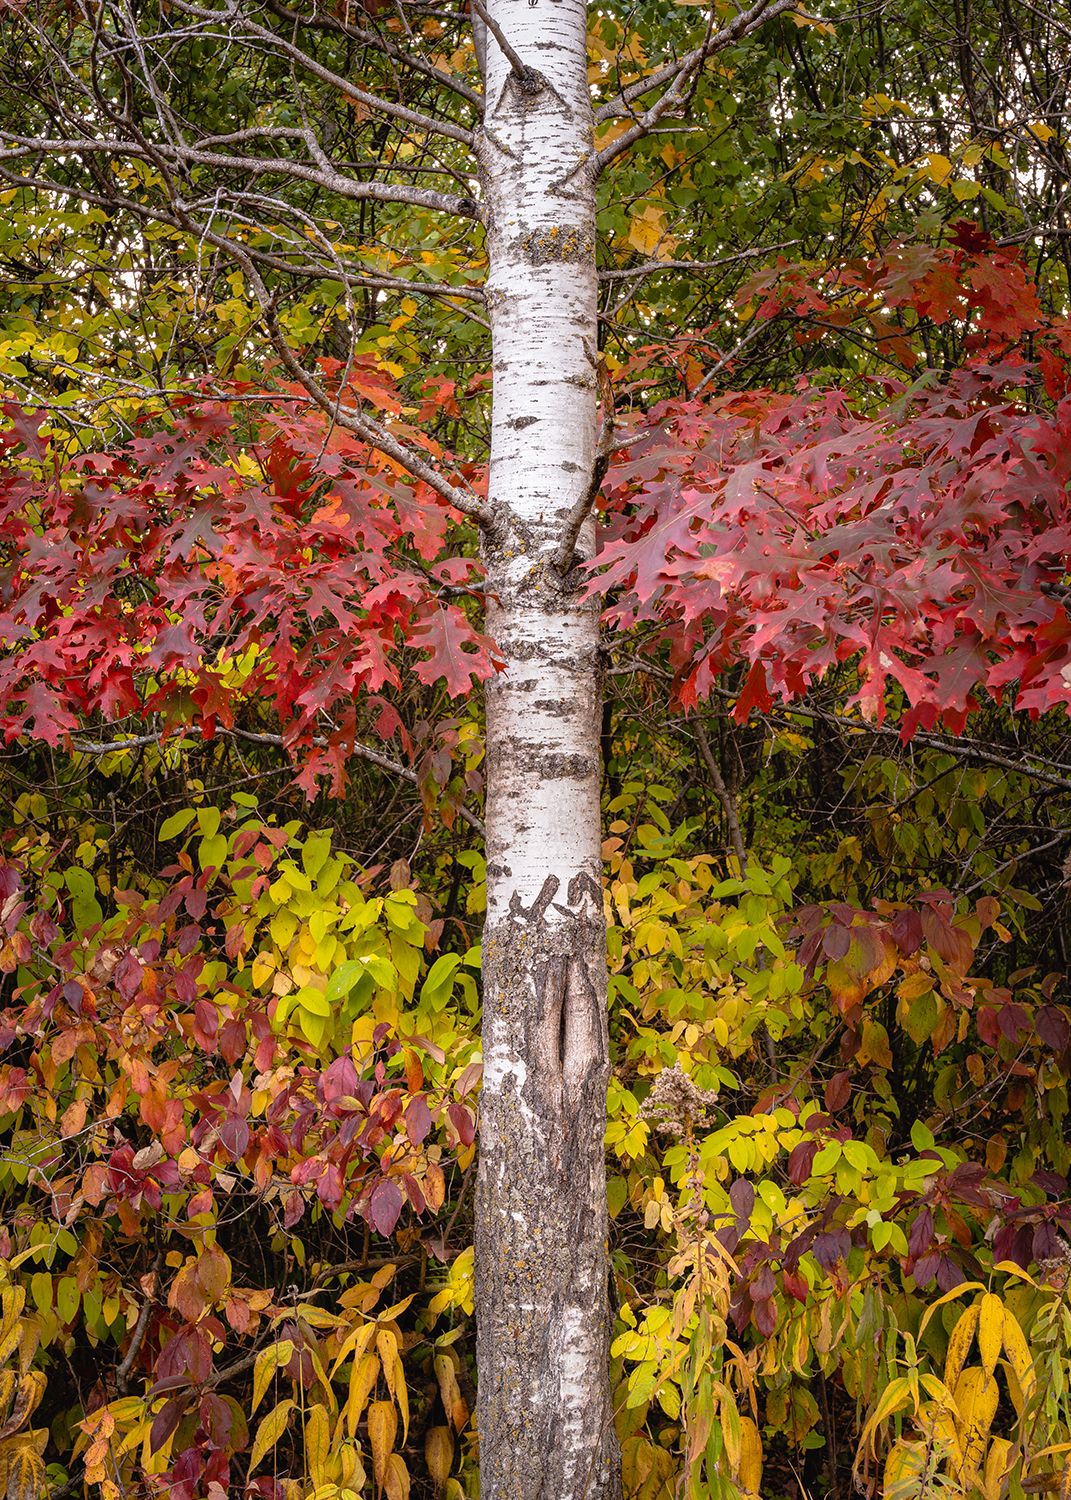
pixel 724 796
pixel 678 76
pixel 363 752
pixel 653 267
pixel 527 77
pixel 122 1375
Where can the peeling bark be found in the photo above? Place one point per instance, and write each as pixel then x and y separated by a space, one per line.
pixel 544 1415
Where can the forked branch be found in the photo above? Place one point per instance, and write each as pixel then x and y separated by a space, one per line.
pixel 677 76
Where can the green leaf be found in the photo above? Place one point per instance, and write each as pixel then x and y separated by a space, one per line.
pixel 84 904
pixel 382 971
pixel 177 823
pixel 283 927
pixel 437 987
pixel 826 1159
pixel 67 1299
pixel 314 1028
pixel 314 853
pixel 344 978
pixel 311 999
pixel 212 852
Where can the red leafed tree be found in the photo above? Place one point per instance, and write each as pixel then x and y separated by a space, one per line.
pixel 919 531
pixel 219 558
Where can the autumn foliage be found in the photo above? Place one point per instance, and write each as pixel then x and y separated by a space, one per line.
pixel 239 1086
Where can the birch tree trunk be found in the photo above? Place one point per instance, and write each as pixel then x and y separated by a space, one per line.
pixel 544 1415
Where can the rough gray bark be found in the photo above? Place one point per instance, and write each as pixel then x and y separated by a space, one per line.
pixel 544 1414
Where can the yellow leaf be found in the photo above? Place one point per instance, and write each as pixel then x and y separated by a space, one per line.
pixel 892 1398
pixel 940 168
pixel 1018 1352
pixel 394 1310
pixel 353 1476
pixel 731 1431
pixel 957 1291
pixel 355 1344
pixel 959 1344
pixel 976 1398
pixel 646 229
pixel 996 1466
pixel 263 968
pixel 940 1425
pixel 7 1393
pixel 915 985
pixel 450 1390
pixel 270 1431
pixel 31 1387
pixel 750 1456
pixel 1041 132
pixel 1009 1268
pixel 387 1345
pixel 364 1376
pixel 905 1462
pixel 382 1430
pixel 317 1444
pixel 283 926
pixel 25 1473
pixel 396 1479
pixel 267 1364
pixel 990 1331
pixel 1065 1482
pixel 394 1374
pixel 802 18
pixel 321 1374
pixel 439 1454
pixel 401 1396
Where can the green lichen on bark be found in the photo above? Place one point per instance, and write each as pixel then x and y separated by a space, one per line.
pixel 559 244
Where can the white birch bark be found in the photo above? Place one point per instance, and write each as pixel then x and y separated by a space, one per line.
pixel 544 1416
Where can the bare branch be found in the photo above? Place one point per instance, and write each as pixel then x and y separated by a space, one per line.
pixel 677 75
pixel 693 267
pixel 354 277
pixel 723 794
pixel 362 751
pixel 725 360
pixel 122 1374
pixel 19 148
pixel 381 44
pixel 366 427
pixel 565 555
pixel 309 64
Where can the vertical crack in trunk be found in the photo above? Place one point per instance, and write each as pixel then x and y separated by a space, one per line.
pixel 544 1415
